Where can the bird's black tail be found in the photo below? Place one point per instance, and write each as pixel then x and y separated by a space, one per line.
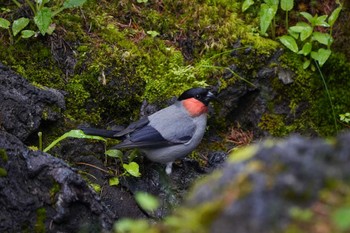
pixel 100 132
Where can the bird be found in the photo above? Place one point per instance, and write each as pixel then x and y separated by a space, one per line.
pixel 168 134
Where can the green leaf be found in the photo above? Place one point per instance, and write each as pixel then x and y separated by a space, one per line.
pixel 126 225
pixel 73 3
pixel 290 43
pixel 51 29
pixel 272 2
pixel 321 21
pixel 246 4
pixel 334 16
pixel 341 218
pixel 304 215
pixel 304 29
pixel 96 187
pixel 113 181
pixel 287 5
pixel 146 201
pixel 19 24
pixel 306 64
pixel 27 33
pixel 132 168
pixel 307 47
pixel 267 13
pixel 306 33
pixel 242 154
pixel 43 19
pixel 299 27
pixel 322 38
pixel 4 23
pixel 308 16
pixel 321 55
pixel 114 153
pixel 75 133
pixel 295 35
pixel 153 33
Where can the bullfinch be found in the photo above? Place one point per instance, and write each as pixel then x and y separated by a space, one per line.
pixel 168 134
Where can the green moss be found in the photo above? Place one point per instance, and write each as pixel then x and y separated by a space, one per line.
pixel 40 220
pixel 274 124
pixel 3 172
pixel 3 155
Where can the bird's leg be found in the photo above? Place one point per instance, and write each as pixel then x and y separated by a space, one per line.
pixel 169 167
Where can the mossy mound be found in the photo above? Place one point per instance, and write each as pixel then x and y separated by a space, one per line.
pixel 110 56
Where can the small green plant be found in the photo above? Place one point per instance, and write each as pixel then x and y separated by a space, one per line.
pixel 314 44
pixel 43 16
pixel 268 10
pixel 345 117
pixel 131 168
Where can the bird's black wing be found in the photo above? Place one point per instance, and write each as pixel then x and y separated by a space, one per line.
pixel 145 137
pixel 133 127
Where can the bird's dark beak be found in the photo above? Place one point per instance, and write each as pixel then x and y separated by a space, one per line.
pixel 210 96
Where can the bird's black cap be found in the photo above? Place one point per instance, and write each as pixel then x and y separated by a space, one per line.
pixel 199 93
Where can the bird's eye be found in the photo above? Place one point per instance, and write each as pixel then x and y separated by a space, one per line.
pixel 197 96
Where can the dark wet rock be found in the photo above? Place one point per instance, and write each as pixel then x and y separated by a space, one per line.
pixel 36 181
pixel 23 107
pixel 257 194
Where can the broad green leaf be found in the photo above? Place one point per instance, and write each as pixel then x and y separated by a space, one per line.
pixel 114 153
pixel 306 64
pixel 27 34
pixel 272 2
pixel 75 133
pixel 73 3
pixel 146 201
pixel 322 38
pixel 306 49
pixel 113 181
pixel 321 55
pixel 321 21
pixel 299 27
pixel 4 23
pixel 132 168
pixel 334 16
pixel 341 218
pixel 308 16
pixel 293 34
pixel 267 13
pixel 246 4
pixel 19 24
pixel 287 5
pixel 290 43
pixel 43 19
pixel 306 33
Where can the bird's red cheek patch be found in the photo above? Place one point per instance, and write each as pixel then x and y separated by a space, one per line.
pixel 194 107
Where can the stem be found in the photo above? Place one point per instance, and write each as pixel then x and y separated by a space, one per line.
pixel 31 6
pixel 58 11
pixel 11 37
pixel 273 27
pixel 329 96
pixel 17 3
pixel 286 20
pixel 40 135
